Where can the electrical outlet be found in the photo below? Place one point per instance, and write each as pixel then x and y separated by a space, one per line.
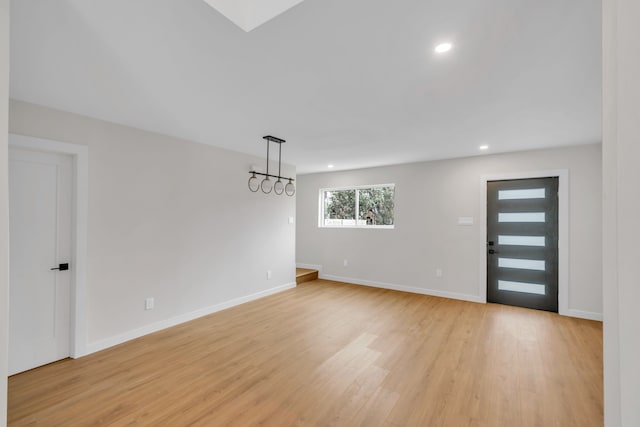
pixel 269 274
pixel 148 303
pixel 346 262
pixel 438 272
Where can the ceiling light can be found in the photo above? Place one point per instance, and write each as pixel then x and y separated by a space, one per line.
pixel 443 47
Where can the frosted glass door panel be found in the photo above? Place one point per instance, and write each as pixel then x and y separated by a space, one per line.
pixel 531 193
pixel 522 217
pixel 521 240
pixel 528 288
pixel 524 264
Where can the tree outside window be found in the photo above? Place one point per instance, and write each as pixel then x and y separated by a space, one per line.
pixel 374 206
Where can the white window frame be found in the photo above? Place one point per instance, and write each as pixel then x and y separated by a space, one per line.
pixel 357 188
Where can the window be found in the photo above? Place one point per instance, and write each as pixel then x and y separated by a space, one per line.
pixel 370 206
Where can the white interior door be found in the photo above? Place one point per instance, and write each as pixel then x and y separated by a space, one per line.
pixel 40 198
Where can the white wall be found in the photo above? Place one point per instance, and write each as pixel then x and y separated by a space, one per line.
pixel 4 205
pixel 621 230
pixel 430 197
pixel 168 219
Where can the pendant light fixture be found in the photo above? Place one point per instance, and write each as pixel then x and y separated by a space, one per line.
pixel 268 185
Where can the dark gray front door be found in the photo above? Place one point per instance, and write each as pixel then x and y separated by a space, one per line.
pixel 522 243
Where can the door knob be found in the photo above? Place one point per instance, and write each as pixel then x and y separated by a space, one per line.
pixel 61 267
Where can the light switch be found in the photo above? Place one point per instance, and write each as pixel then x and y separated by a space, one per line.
pixel 465 220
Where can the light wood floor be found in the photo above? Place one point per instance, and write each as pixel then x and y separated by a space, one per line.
pixel 327 353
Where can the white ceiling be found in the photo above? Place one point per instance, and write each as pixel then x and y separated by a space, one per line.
pixel 352 83
pixel 250 14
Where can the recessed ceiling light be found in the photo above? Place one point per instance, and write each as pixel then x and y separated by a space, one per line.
pixel 330 166
pixel 484 147
pixel 444 47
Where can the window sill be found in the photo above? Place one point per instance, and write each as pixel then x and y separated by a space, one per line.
pixel 367 227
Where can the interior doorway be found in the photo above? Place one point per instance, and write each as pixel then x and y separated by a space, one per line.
pixel 78 155
pixel 40 224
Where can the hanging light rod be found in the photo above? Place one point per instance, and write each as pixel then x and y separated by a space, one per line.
pixel 274 139
pixel 266 185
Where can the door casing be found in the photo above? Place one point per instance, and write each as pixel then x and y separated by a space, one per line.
pixel 563 231
pixel 80 167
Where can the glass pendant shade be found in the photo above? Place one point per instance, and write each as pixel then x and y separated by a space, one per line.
pixel 267 185
pixel 290 189
pixel 278 187
pixel 254 183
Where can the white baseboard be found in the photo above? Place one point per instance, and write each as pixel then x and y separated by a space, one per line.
pixel 310 267
pixel 453 295
pixel 589 315
pixel 423 291
pixel 164 324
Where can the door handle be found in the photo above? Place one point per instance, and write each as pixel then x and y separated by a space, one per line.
pixel 492 251
pixel 61 267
